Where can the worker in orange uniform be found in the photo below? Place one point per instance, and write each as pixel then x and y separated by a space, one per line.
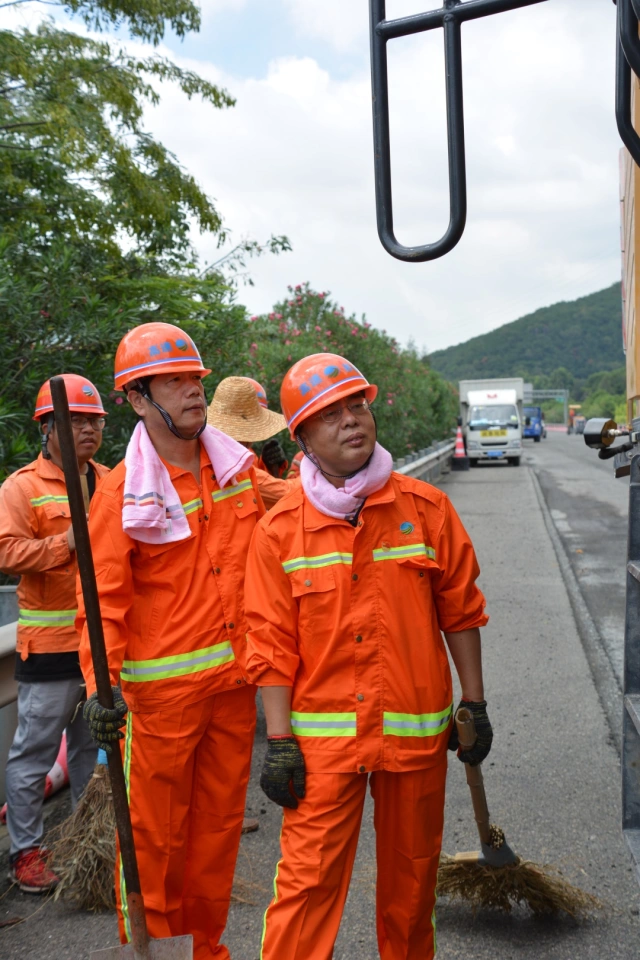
pixel 351 581
pixel 170 529
pixel 36 544
pixel 239 408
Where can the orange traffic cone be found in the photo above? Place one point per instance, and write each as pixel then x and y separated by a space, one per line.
pixel 460 460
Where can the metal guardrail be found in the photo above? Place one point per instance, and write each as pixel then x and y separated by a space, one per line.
pixel 428 464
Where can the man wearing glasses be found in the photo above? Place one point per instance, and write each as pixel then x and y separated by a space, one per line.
pixel 352 579
pixel 36 544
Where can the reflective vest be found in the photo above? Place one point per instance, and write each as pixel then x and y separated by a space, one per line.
pixel 173 613
pixel 351 618
pixel 34 520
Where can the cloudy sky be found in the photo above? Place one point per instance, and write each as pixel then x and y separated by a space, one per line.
pixel 295 156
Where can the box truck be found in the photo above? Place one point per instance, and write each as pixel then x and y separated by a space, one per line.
pixel 492 419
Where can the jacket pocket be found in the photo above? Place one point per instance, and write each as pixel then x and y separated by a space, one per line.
pixel 304 582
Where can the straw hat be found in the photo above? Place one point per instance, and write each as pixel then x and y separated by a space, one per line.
pixel 236 411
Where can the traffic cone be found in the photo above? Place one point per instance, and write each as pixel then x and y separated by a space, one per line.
pixel 460 460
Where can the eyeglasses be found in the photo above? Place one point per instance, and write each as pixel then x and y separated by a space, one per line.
pixel 357 408
pixel 96 423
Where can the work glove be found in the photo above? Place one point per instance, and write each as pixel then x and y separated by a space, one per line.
pixel 484 732
pixel 104 724
pixel 274 457
pixel 283 763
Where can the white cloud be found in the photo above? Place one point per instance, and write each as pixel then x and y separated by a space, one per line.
pixel 341 23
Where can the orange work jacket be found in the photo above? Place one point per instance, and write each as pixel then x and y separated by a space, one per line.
pixel 351 618
pixel 34 520
pixel 272 489
pixel 173 613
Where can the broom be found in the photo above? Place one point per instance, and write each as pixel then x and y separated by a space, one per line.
pixel 83 852
pixel 495 876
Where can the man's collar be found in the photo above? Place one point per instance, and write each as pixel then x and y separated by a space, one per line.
pixel 315 520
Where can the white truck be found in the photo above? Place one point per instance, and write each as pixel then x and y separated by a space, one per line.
pixel 492 419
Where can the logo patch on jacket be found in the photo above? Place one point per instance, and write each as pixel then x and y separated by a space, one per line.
pixel 406 528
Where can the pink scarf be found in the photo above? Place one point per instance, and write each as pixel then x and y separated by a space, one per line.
pixel 342 502
pixel 151 510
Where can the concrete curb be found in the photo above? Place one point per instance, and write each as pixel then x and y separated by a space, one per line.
pixel 606 684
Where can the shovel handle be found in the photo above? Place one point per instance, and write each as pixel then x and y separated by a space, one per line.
pixel 467 737
pixel 139 935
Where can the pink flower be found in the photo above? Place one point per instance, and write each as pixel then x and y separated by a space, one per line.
pixel 119 400
pixel 319 329
pixel 254 318
pixel 390 402
pixel 272 316
pixel 278 316
pixel 321 296
pixel 298 286
pixel 287 343
pixel 253 347
pixel 354 333
pixel 289 358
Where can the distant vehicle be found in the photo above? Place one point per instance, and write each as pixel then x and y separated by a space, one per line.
pixel 544 429
pixel 578 423
pixel 533 424
pixel 492 418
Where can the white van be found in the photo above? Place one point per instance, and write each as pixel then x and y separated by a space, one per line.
pixel 491 413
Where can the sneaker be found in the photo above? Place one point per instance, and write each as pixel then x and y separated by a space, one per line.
pixel 31 872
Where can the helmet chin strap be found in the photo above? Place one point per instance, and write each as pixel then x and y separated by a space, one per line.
pixel 143 388
pixel 44 436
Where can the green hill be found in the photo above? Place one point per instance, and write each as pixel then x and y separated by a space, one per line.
pixel 582 336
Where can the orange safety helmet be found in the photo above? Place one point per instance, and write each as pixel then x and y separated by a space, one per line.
pixel 154 348
pixel 81 393
pixel 261 393
pixel 316 382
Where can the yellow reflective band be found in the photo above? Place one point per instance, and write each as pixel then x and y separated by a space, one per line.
pixel 323 724
pixel 192 506
pixel 402 553
pixel 231 491
pixel 49 498
pixel 46 618
pixel 127 779
pixel 163 668
pixel 312 563
pixel 416 724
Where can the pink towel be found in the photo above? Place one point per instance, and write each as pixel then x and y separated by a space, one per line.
pixel 152 511
pixel 342 502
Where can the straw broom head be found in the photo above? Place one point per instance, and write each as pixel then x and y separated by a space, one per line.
pixel 83 851
pixel 542 889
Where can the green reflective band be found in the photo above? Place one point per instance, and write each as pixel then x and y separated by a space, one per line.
pixel 46 618
pixel 141 671
pixel 231 491
pixel 323 724
pixel 416 724
pixel 192 506
pixel 40 501
pixel 401 553
pixel 312 563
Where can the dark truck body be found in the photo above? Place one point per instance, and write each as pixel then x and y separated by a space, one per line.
pixel 533 429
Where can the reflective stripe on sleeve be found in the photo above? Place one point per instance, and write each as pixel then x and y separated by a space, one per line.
pixel 312 563
pixel 48 498
pixel 416 724
pixel 163 668
pixel 231 491
pixel 323 724
pixel 401 553
pixel 46 618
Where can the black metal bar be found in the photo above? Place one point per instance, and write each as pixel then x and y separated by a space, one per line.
pixel 450 17
pixel 431 19
pixel 628 34
pixel 631 680
pixel 624 121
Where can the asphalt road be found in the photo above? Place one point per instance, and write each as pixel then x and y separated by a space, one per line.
pixel 552 778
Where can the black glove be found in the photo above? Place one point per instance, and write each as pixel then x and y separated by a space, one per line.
pixel 104 724
pixel 484 733
pixel 283 763
pixel 274 457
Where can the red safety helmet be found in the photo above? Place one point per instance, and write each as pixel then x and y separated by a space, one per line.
pixel 261 393
pixel 316 382
pixel 81 393
pixel 154 348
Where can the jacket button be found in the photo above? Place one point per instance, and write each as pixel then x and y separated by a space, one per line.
pixel 360 696
pixel 422 573
pixel 206 516
pixel 254 500
pixel 362 769
pixel 231 626
pixel 386 545
pixel 307 583
pixel 359 523
pixel 358 639
pixel 354 576
pixel 239 503
pixel 216 570
pixel 238 681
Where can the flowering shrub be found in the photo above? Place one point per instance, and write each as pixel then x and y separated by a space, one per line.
pixel 415 406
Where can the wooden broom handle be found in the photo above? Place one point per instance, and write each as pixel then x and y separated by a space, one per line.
pixel 467 737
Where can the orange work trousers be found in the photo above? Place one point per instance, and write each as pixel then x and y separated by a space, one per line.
pixel 187 770
pixel 319 842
